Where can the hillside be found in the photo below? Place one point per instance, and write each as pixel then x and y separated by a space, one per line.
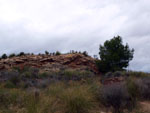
pixel 49 62
pixel 68 83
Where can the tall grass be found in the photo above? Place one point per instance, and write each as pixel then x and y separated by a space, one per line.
pixel 59 97
pixel 77 100
pixel 74 96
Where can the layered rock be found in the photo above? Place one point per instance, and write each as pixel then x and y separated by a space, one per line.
pixel 48 62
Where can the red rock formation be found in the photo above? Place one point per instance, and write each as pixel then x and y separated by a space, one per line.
pixel 48 62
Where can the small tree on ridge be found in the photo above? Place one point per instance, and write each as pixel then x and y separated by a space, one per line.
pixel 114 55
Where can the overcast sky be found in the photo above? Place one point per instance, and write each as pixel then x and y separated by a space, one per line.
pixel 64 25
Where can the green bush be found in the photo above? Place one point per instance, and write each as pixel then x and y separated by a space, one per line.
pixel 46 52
pixel 43 75
pixel 27 75
pixel 9 84
pixel 58 53
pixel 4 56
pixel 21 54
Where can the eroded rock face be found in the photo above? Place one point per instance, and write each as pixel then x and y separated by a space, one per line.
pixel 47 62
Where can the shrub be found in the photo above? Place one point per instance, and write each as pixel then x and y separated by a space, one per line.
pixel 74 74
pixel 57 53
pixel 12 55
pixel 30 72
pixel 34 71
pixel 27 75
pixel 9 84
pixel 133 90
pixel 85 53
pixel 137 74
pixel 21 54
pixel 4 56
pixel 46 52
pixel 144 88
pixel 71 74
pixel 15 79
pixel 43 75
pixel 139 88
pixel 116 96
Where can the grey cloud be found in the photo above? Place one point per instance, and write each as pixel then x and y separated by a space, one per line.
pixel 36 26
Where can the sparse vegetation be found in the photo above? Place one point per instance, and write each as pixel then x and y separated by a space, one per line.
pixel 64 89
pixel 70 91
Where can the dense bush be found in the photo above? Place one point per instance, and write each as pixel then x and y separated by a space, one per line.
pixel 46 52
pixel 116 96
pixel 4 56
pixel 58 53
pixel 21 54
pixel 144 88
pixel 85 53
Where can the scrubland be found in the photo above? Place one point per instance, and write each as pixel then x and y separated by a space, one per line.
pixel 73 91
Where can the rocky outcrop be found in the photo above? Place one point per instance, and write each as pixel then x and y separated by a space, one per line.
pixel 48 62
pixel 113 80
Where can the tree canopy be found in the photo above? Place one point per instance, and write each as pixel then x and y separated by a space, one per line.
pixel 114 55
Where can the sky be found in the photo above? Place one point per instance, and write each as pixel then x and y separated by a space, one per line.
pixel 38 25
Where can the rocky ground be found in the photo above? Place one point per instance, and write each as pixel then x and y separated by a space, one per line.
pixel 36 70
pixel 49 62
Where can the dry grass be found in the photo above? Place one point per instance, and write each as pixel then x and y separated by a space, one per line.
pixel 62 97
